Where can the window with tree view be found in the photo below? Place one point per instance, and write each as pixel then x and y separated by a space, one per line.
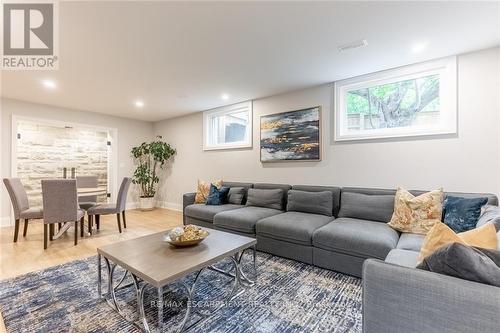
pixel 414 100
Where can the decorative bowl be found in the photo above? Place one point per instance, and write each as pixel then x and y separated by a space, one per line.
pixel 201 235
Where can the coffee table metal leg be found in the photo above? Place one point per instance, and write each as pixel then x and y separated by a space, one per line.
pixel 140 303
pixel 99 277
pixel 160 309
pixel 111 268
pixel 243 277
pixel 247 281
pixel 254 248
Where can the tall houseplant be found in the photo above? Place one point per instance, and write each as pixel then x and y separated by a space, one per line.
pixel 151 158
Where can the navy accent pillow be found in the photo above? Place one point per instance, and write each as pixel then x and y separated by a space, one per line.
pixel 461 214
pixel 217 197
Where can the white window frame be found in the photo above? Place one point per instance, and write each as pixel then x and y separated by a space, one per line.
pixel 447 70
pixel 222 111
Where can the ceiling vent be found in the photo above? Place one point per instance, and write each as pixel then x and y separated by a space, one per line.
pixel 353 45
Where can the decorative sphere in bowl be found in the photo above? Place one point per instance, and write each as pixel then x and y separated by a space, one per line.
pixel 185 236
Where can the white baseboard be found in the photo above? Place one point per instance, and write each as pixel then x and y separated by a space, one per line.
pixel 6 221
pixel 169 205
pixel 158 204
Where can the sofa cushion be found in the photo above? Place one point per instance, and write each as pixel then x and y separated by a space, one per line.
pixel 441 234
pixel 207 213
pixel 409 241
pixel 235 195
pixel 406 258
pixel 369 239
pixel 270 186
pixel 374 207
pixel 417 214
pixel 461 214
pixel 203 189
pixel 267 198
pixel 243 219
pixel 465 262
pixel 245 187
pixel 294 227
pixel 335 193
pixel 217 196
pixel 310 202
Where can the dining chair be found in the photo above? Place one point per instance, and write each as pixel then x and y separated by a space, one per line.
pixel 118 208
pixel 20 204
pixel 87 201
pixel 60 205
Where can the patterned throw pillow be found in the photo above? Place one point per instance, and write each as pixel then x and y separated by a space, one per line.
pixel 417 214
pixel 462 214
pixel 203 190
pixel 217 197
pixel 440 235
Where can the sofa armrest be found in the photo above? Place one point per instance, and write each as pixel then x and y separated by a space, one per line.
pixel 187 199
pixel 401 299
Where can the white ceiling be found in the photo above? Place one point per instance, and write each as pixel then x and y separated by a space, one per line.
pixel 180 57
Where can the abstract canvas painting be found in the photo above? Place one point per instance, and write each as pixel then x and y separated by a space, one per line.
pixel 291 136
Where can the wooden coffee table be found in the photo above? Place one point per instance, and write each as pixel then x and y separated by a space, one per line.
pixel 154 263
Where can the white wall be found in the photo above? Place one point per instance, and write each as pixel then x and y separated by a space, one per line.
pixel 467 162
pixel 130 133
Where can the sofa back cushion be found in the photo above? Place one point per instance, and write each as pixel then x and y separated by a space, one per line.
pixel 310 202
pixel 236 195
pixel 335 194
pixel 374 207
pixel 242 189
pixel 269 186
pixel 384 204
pixel 267 198
pixel 492 198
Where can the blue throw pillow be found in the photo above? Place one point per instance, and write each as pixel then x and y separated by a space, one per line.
pixel 461 214
pixel 217 197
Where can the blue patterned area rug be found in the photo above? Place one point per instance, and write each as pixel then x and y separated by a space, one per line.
pixel 288 297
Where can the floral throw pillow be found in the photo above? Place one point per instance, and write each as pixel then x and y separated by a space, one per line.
pixel 417 214
pixel 203 190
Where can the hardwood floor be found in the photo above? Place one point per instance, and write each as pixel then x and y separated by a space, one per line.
pixel 28 255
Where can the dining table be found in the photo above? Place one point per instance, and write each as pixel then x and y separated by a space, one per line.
pixel 81 192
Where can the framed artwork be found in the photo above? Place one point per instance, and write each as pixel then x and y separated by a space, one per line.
pixel 291 136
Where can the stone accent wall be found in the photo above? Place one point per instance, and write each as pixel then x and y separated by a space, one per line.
pixel 43 151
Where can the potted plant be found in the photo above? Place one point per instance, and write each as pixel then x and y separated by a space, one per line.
pixel 151 157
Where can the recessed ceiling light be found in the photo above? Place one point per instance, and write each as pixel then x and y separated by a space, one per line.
pixel 49 84
pixel 418 47
pixel 139 104
pixel 224 97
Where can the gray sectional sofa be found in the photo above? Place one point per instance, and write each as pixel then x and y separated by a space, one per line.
pixel 354 238
pixel 355 228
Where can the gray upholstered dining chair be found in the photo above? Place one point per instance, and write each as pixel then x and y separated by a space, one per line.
pixel 118 208
pixel 60 205
pixel 88 201
pixel 20 203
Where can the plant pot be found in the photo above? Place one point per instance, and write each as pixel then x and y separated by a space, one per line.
pixel 147 203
